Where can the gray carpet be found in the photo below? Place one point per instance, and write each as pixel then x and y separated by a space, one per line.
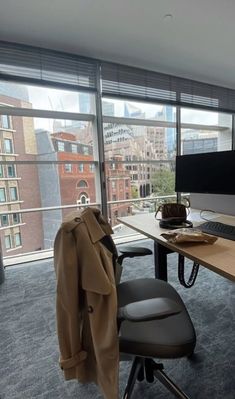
pixel 29 350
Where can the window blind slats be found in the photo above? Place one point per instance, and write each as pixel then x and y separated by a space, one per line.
pixel 46 66
pixel 124 81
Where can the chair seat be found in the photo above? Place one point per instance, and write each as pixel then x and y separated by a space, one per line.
pixel 171 337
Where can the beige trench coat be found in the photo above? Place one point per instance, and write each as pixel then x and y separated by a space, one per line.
pixel 86 302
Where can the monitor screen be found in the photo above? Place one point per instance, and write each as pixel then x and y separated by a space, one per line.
pixel 211 173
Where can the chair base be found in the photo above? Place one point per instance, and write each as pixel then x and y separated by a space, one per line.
pixel 145 368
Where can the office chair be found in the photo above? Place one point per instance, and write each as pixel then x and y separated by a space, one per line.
pixel 153 323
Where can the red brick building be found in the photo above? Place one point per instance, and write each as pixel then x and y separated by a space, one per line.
pixel 77 175
pixel 19 183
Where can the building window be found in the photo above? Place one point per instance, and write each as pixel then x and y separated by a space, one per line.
pixel 61 146
pixel 1 171
pixel 114 198
pixel 68 167
pixel 2 195
pixel 13 194
pixel 92 168
pixel 82 183
pixel 85 150
pixel 11 171
pixel 8 146
pixel 6 124
pixel 127 195
pixel 74 148
pixel 113 184
pixel 16 218
pixel 83 199
pixel 81 167
pixel 17 240
pixel 8 242
pixel 4 220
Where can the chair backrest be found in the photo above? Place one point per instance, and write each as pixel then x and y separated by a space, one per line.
pixel 108 242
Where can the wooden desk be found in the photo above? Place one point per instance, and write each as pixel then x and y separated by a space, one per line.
pixel 218 257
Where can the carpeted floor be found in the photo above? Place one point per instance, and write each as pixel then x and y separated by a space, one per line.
pixel 29 350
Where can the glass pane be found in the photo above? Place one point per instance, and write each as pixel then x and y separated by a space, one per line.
pixel 42 173
pixel 138 110
pixel 204 131
pixel 140 163
pixel 45 98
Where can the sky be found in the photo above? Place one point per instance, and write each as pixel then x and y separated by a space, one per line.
pixel 68 101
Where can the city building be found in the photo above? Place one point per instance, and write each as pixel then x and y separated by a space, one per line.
pixel 19 181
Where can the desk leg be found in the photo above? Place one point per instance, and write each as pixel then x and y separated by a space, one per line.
pixel 160 261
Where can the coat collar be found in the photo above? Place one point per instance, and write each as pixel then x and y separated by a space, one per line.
pixel 96 225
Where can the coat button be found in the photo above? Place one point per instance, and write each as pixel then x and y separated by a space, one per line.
pixel 90 309
pixel 77 219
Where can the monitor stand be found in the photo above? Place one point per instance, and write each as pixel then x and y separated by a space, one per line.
pixel 215 202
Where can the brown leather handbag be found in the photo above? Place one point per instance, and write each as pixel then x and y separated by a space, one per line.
pixel 173 216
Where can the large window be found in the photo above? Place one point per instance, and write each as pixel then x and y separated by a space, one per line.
pixel 54 158
pixel 140 156
pixel 205 131
pixel 45 155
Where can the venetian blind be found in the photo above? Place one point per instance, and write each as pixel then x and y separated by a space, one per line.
pixel 46 67
pixel 134 83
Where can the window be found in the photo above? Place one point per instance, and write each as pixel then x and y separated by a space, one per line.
pixel 1 171
pixel 113 184
pixel 205 131
pixel 68 167
pixel 16 218
pixel 81 167
pixel 61 146
pixel 8 242
pixel 17 239
pixel 85 150
pixel 2 195
pixel 82 183
pixel 13 194
pixel 92 168
pixel 74 148
pixel 8 146
pixel 4 220
pixel 11 171
pixel 6 122
pixel 83 199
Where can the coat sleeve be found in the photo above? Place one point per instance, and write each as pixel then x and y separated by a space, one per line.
pixel 67 304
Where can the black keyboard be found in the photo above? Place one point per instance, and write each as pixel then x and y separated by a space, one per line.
pixel 218 229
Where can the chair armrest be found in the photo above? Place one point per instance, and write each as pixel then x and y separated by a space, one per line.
pixel 149 309
pixel 131 252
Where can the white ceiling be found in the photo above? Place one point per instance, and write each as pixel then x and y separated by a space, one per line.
pixel 197 43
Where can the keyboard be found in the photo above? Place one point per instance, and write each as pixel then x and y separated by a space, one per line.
pixel 218 229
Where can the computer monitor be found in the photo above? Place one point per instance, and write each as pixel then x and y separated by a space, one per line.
pixel 209 173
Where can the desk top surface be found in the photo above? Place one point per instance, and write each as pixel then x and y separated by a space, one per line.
pixel 219 257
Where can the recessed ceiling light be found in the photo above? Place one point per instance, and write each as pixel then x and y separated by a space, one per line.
pixel 168 17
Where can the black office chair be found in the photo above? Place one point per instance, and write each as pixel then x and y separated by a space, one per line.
pixel 153 323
